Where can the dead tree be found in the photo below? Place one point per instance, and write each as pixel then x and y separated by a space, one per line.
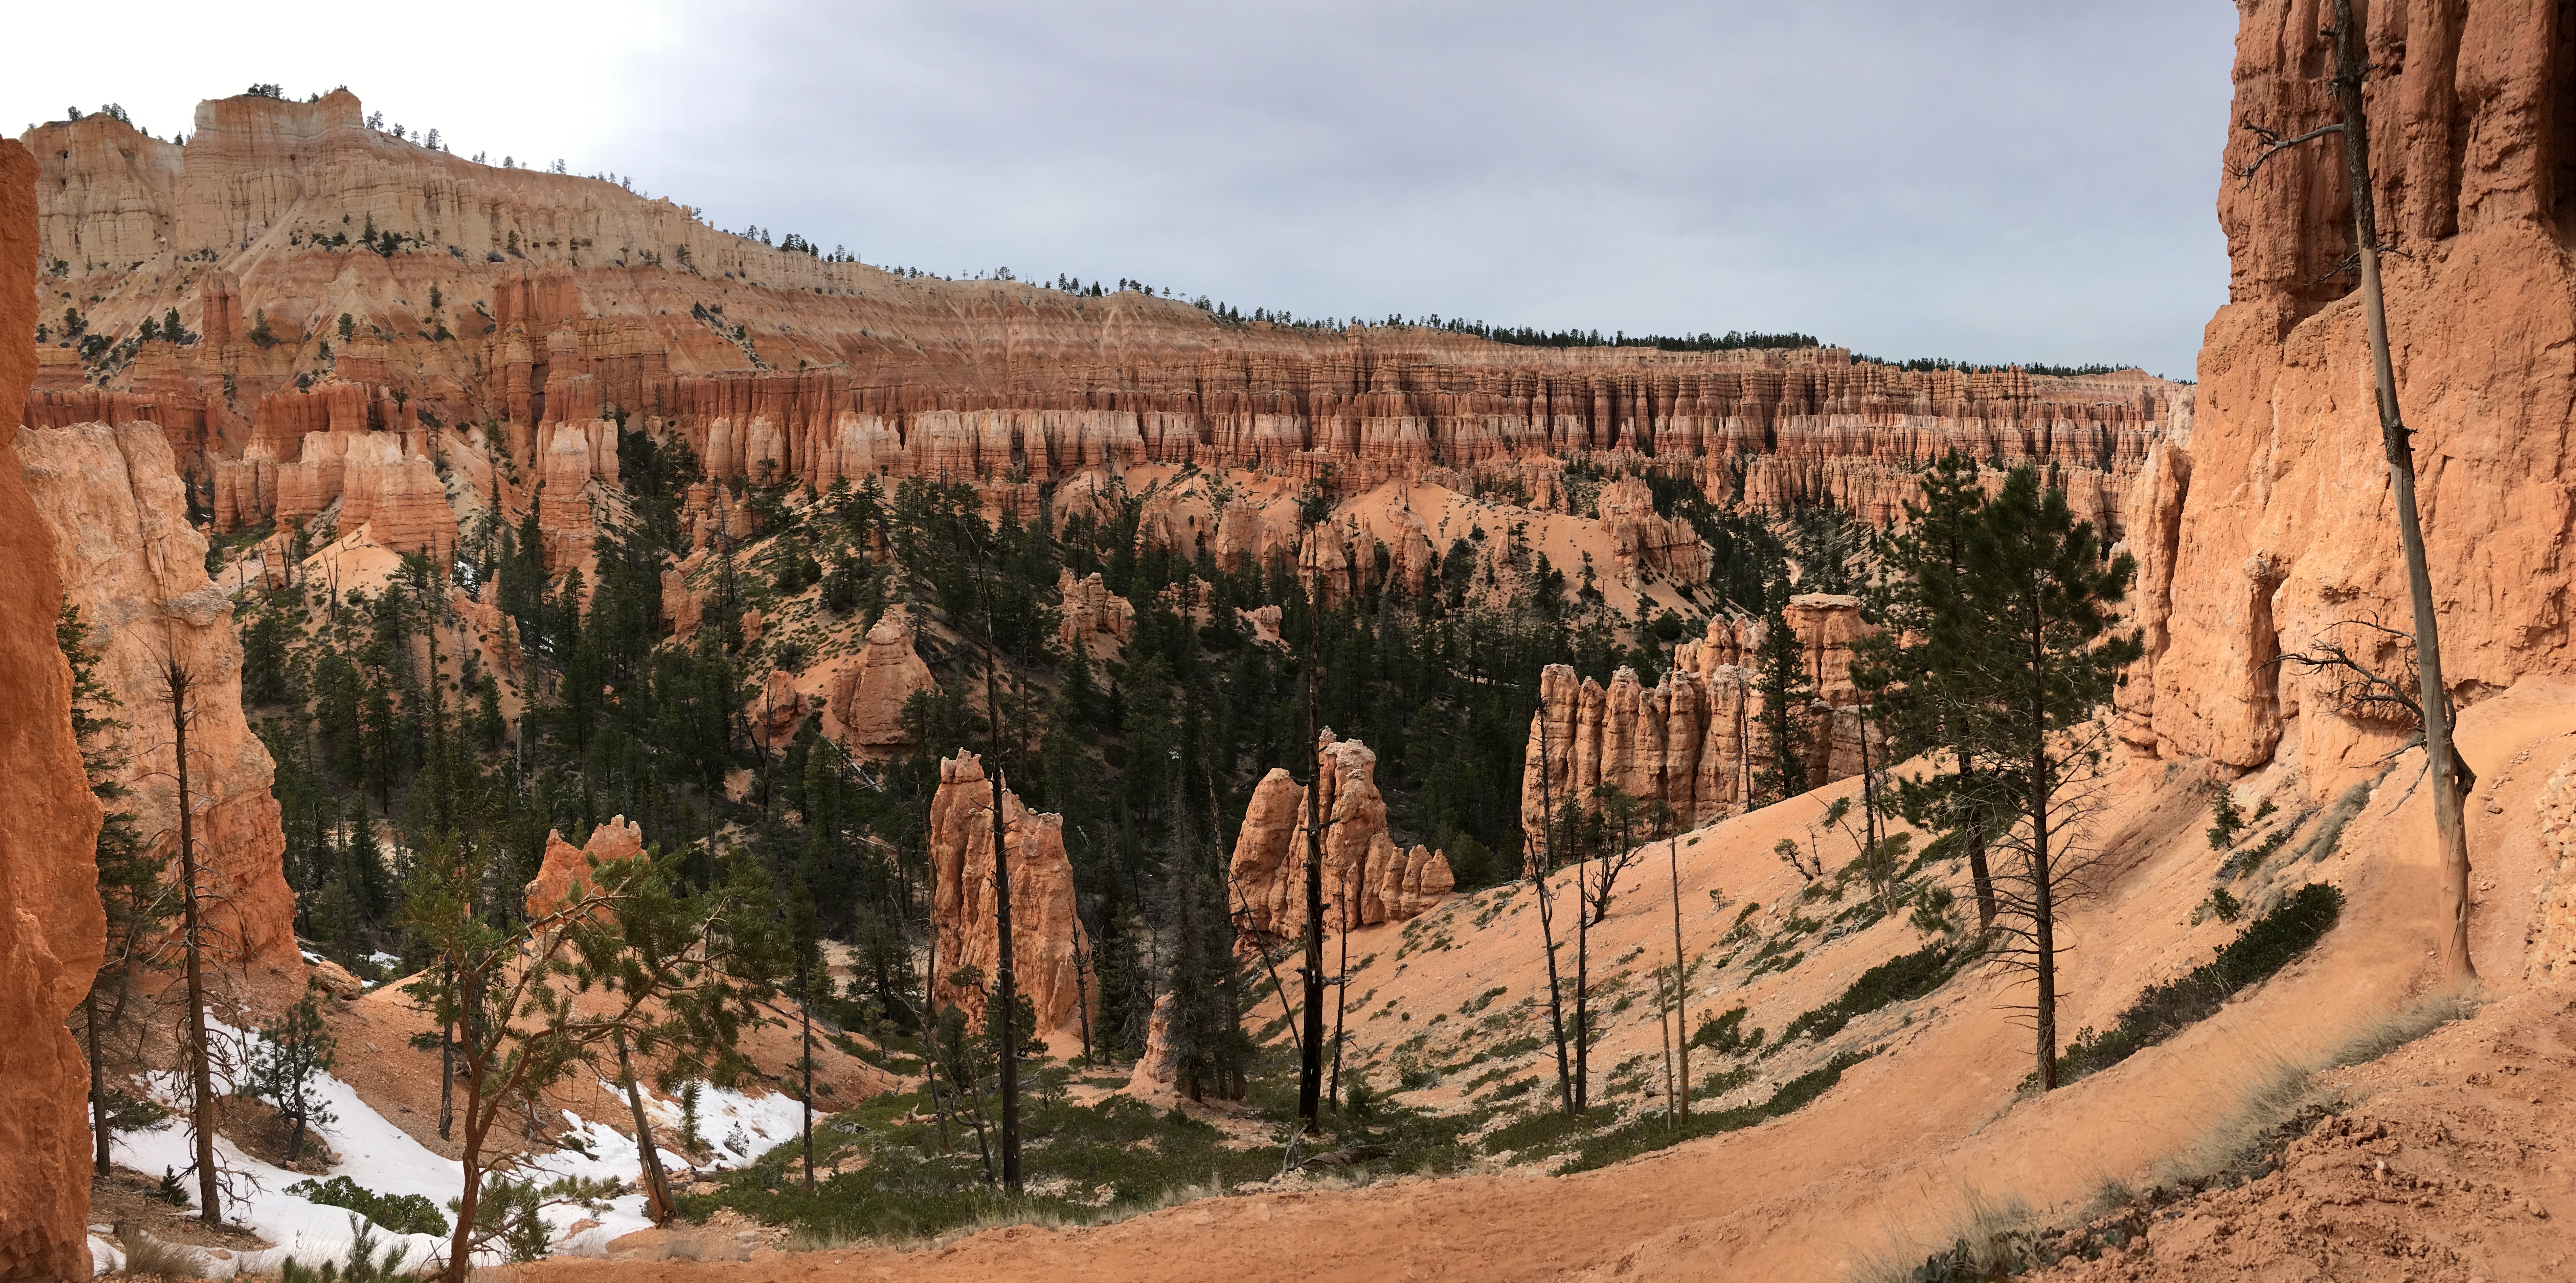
pixel 178 683
pixel 2450 822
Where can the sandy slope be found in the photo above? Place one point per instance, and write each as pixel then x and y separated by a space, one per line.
pixel 1884 1163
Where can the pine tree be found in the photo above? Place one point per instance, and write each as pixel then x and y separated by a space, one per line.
pixel 1910 669
pixel 1786 691
pixel 130 885
pixel 2033 622
pixel 295 1050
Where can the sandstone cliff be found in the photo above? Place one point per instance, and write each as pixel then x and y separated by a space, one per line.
pixel 1695 741
pixel 48 834
pixel 2272 521
pixel 129 560
pixel 1047 946
pixel 1367 878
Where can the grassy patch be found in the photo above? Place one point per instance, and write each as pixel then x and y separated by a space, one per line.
pixel 1645 1135
pixel 2167 1009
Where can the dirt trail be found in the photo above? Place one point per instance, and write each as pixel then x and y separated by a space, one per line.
pixel 1883 1164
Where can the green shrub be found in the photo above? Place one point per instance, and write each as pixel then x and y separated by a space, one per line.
pixel 1725 1034
pixel 400 1213
pixel 2164 1010
pixel 1903 978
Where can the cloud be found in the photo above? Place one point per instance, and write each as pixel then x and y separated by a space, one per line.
pixel 1986 181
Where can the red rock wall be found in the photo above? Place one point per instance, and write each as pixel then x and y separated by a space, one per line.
pixel 48 833
pixel 126 556
pixel 2279 509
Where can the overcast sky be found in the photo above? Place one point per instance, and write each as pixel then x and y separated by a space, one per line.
pixel 1988 181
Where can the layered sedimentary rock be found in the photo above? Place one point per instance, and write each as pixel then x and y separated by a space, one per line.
pixel 868 697
pixel 1696 740
pixel 2281 524
pixel 1046 938
pixel 48 833
pixel 131 563
pixel 534 301
pixel 1367 878
pixel 566 866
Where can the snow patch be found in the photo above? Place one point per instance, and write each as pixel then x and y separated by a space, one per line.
pixel 382 1157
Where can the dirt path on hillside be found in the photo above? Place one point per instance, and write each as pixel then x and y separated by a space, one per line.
pixel 1884 1163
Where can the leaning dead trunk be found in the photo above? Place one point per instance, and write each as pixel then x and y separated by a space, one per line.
pixel 2451 787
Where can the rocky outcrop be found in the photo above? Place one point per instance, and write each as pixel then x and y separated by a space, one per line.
pixel 566 866
pixel 1367 878
pixel 130 562
pixel 2281 523
pixel 1642 541
pixel 868 697
pixel 48 832
pixel 1092 617
pixel 1047 942
pixel 1695 741
pixel 1157 1069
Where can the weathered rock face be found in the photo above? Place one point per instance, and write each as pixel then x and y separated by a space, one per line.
pixel 136 570
pixel 1046 937
pixel 2279 523
pixel 1695 741
pixel 565 865
pixel 1367 878
pixel 48 833
pixel 868 697
pixel 1091 616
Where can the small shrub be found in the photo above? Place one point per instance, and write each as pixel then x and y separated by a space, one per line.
pixel 2225 821
pixel 1724 1034
pixel 2164 1010
pixel 1903 978
pixel 2225 907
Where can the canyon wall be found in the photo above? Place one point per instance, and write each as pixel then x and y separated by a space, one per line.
pixel 55 933
pixel 332 279
pixel 1047 949
pixel 1368 879
pixel 1696 740
pixel 2274 522
pixel 129 560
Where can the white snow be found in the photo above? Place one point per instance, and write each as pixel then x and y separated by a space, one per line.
pixel 383 1158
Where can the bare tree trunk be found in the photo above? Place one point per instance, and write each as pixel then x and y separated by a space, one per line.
pixel 2451 783
pixel 1006 987
pixel 200 1053
pixel 1342 979
pixel 1310 1067
pixel 805 1008
pixel 1681 976
pixel 97 1082
pixel 2043 910
pixel 657 1188
pixel 1546 929
pixel 1582 998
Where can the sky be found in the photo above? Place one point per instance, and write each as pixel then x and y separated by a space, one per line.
pixel 1982 180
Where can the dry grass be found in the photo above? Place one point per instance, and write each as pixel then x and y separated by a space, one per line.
pixel 149 1257
pixel 1988 1225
